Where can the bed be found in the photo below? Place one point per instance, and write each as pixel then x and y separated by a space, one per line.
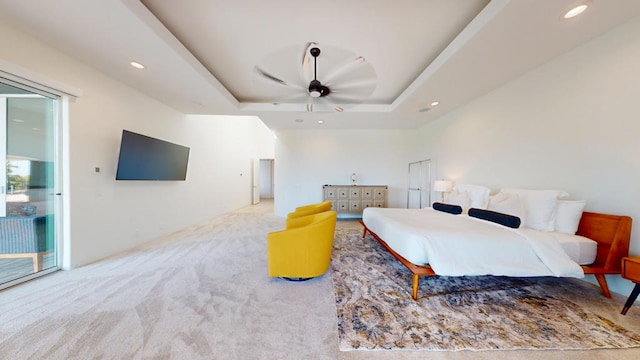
pixel 421 239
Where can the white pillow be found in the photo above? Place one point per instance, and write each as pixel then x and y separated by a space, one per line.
pixel 458 198
pixel 568 214
pixel 539 205
pixel 507 204
pixel 478 195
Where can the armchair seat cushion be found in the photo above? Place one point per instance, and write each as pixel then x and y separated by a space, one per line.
pixel 303 249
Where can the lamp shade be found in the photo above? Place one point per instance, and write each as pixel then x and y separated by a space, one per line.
pixel 442 185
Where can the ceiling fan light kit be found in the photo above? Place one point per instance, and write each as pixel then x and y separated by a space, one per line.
pixel 317 90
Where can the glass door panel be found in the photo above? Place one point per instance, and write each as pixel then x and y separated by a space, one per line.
pixel 27 228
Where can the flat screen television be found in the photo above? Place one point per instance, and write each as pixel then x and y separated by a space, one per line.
pixel 145 158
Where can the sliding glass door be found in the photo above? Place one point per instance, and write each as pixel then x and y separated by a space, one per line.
pixel 28 123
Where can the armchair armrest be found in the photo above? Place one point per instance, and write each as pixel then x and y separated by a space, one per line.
pixel 310 209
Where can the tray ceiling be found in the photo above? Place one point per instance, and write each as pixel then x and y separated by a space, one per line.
pixel 201 57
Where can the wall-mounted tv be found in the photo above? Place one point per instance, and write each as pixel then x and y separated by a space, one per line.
pixel 146 158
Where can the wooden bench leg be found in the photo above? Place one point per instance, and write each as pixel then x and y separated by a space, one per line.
pixel 415 280
pixel 603 284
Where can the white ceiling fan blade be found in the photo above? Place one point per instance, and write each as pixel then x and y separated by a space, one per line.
pixel 267 75
pixel 323 104
pixel 344 100
pixel 297 98
pixel 353 68
pixel 364 87
pixel 306 57
pixel 353 93
pixel 271 77
pixel 352 84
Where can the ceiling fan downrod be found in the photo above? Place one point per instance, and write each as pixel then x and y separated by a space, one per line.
pixel 316 89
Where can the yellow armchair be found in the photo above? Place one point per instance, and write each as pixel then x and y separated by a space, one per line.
pixel 303 250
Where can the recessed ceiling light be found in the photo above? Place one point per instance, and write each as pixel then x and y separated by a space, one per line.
pixel 137 65
pixel 320 121
pixel 435 103
pixel 576 11
pixel 298 120
pixel 424 109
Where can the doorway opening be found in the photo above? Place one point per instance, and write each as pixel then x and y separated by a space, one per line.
pixel 266 178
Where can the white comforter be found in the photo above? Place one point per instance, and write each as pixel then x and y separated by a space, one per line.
pixel 458 245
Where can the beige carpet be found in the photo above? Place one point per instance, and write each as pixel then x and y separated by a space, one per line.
pixel 376 311
pixel 203 293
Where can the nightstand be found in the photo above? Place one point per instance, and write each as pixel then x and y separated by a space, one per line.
pixel 631 271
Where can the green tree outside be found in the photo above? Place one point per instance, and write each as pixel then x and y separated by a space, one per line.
pixel 14 181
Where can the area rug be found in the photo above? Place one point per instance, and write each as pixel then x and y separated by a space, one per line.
pixel 375 310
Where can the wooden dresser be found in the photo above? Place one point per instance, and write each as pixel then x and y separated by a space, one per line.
pixel 353 199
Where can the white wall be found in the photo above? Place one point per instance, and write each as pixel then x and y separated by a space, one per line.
pixel 218 180
pixel 308 159
pixel 108 216
pixel 570 124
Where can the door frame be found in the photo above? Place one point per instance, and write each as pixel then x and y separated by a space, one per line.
pixel 424 183
pixel 59 133
pixel 3 156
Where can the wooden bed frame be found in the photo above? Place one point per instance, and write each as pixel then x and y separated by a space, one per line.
pixel 611 232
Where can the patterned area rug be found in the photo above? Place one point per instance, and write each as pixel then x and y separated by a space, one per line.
pixel 375 310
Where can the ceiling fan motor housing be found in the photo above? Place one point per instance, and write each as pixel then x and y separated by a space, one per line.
pixel 316 89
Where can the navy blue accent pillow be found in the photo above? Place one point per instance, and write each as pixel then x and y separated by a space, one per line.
pixel 496 217
pixel 448 208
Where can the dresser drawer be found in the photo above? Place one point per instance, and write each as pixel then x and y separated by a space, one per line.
pixel 380 194
pixel 343 193
pixel 330 194
pixel 355 193
pixel 631 268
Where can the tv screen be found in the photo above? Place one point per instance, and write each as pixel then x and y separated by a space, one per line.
pixel 146 158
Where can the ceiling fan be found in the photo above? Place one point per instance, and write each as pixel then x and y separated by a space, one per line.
pixel 347 79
